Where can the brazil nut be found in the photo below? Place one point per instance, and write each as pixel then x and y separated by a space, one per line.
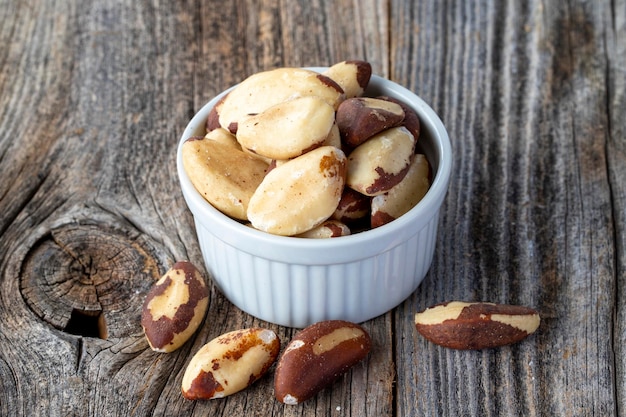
pixel 225 177
pixel 230 363
pixel 174 307
pixel 300 194
pixel 223 136
pixel 328 229
pixel 360 118
pixel 352 207
pixel 411 120
pixel 317 356
pixel 265 89
pixel 403 196
pixel 381 162
pixel 287 129
pixel 353 76
pixel 476 325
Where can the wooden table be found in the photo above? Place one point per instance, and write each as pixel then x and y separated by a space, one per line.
pixel 94 97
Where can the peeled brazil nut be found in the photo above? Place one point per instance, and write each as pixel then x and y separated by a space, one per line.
pixel 223 136
pixel 381 162
pixel 255 155
pixel 360 118
pixel 317 356
pixel 299 194
pixel 287 129
pixel 334 137
pixel 265 89
pixel 479 325
pixel 174 307
pixel 403 196
pixel 229 363
pixel 226 177
pixel 352 76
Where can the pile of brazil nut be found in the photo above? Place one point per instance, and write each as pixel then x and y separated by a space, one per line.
pixel 294 152
pixel 317 355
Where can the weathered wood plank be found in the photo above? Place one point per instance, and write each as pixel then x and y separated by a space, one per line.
pixel 113 85
pixel 105 141
pixel 616 157
pixel 522 88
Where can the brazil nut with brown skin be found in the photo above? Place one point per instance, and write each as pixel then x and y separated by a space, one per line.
pixel 353 76
pixel 353 207
pixel 381 162
pixel 403 196
pixel 213 119
pixel 174 307
pixel 328 229
pixel 360 118
pixel 230 363
pixel 411 119
pixel 476 325
pixel 317 356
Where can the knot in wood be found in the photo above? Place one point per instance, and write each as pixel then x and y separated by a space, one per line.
pixel 89 279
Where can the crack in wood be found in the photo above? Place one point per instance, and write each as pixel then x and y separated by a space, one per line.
pixel 87 324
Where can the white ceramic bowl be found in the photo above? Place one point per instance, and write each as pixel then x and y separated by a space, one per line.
pixel 296 282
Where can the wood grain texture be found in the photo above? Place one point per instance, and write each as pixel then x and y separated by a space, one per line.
pixel 525 96
pixel 93 99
